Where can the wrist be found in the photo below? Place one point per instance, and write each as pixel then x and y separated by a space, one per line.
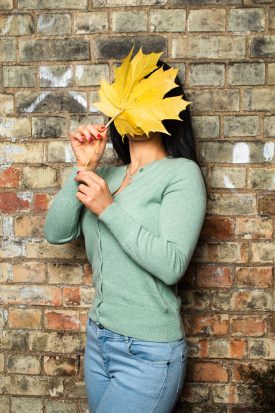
pixel 90 167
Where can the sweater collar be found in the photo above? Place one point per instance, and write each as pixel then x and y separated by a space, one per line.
pixel 120 171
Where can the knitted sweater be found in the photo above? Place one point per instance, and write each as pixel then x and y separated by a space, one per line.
pixel 139 246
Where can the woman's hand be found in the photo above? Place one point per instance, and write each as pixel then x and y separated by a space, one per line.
pixel 84 141
pixel 93 191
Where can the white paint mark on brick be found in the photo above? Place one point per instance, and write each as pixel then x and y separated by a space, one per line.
pixel 7 226
pixel 37 101
pixel 12 248
pixel 45 24
pixel 69 154
pixel 56 81
pixel 25 196
pixel 80 99
pixel 7 152
pixel 268 151
pixel 5 166
pixel 241 153
pixel 57 391
pixel 7 27
pixel 227 182
pixel 79 71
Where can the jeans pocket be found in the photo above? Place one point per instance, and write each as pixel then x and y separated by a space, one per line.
pixel 183 366
pixel 149 352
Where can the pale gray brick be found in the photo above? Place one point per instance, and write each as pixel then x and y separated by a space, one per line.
pixel 246 73
pixel 52 4
pixel 214 100
pixel 90 75
pixel 6 4
pixel 108 47
pixel 262 46
pixel 269 126
pixel 241 126
pixel 167 20
pixel 16 25
pixel 54 24
pixel 206 20
pixel 7 50
pixel 54 49
pixel 246 20
pixel 124 21
pixel 93 22
pixel 19 76
pixel 206 74
pixel 215 47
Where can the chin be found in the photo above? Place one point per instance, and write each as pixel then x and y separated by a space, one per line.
pixel 143 137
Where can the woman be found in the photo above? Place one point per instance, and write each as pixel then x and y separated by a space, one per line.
pixel 141 222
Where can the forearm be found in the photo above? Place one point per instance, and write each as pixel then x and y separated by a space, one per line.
pixel 62 223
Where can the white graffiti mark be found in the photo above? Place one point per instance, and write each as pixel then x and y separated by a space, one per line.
pixel 268 151
pixel 38 100
pixel 43 23
pixel 80 99
pixel 62 80
pixel 227 182
pixel 241 153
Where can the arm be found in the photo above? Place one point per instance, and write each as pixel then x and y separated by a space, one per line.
pixel 62 223
pixel 182 213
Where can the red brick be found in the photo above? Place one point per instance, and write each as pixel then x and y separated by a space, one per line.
pixel 214 276
pixel 209 371
pixel 11 202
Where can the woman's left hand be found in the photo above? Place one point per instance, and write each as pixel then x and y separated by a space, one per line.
pixel 93 191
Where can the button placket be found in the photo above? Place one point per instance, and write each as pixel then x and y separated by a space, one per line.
pixel 100 262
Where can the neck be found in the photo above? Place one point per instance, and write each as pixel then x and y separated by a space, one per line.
pixel 145 150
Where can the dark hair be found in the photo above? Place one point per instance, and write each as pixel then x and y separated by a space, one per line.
pixel 179 144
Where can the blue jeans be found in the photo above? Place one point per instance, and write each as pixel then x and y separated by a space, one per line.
pixel 126 374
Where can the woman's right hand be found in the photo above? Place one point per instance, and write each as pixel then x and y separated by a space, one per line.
pixel 84 141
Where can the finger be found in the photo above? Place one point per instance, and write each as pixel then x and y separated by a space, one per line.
pixel 77 136
pixel 90 178
pixel 84 131
pixel 81 197
pixel 94 131
pixel 100 128
pixel 83 188
pixel 90 181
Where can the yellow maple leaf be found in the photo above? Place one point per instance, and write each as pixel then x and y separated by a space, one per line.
pixel 135 104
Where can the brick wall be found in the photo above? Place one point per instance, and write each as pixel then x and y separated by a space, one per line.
pixel 52 54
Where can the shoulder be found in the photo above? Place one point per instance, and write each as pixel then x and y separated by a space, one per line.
pixel 183 169
pixel 184 176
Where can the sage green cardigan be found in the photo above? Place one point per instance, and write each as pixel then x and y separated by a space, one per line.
pixel 139 247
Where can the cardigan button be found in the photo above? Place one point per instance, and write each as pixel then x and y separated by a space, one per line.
pixel 141 169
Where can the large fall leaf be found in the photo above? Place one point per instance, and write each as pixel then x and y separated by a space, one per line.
pixel 135 104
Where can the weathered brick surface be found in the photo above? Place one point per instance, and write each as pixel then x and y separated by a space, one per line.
pixel 52 57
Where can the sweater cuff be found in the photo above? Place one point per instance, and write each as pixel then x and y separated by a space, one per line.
pixel 117 220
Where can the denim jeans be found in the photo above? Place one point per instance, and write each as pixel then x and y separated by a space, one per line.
pixel 126 374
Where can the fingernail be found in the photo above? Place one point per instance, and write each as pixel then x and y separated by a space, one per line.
pixel 103 127
pixel 77 172
pixel 99 136
pixel 90 139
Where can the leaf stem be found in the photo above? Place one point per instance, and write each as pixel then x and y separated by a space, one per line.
pixel 98 142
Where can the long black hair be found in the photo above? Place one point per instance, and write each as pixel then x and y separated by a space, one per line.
pixel 179 144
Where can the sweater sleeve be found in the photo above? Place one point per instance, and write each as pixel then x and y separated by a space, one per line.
pixel 62 223
pixel 182 213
